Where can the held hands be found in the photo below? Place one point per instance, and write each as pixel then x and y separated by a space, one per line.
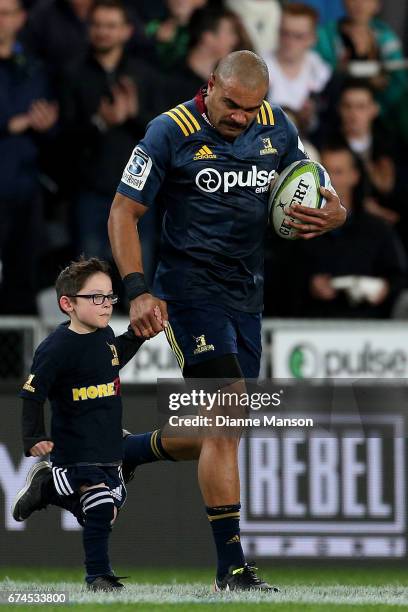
pixel 148 315
pixel 313 222
pixel 41 448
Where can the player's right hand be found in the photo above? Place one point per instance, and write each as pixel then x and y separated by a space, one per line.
pixel 144 319
pixel 41 448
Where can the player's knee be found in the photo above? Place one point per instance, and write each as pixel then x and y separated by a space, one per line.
pixel 221 444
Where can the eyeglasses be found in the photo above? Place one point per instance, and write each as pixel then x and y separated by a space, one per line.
pixel 294 35
pixel 98 298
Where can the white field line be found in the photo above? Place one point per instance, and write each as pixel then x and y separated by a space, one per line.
pixel 199 593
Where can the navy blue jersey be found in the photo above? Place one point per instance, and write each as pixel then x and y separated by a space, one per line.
pixel 79 374
pixel 215 196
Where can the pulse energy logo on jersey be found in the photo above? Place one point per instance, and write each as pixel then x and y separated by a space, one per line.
pixel 137 169
pixel 211 180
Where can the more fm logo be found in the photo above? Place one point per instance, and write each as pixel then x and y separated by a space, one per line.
pixel 306 360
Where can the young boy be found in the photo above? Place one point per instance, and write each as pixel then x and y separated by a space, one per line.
pixel 77 368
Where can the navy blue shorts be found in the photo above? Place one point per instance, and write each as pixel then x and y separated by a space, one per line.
pixel 68 480
pixel 203 332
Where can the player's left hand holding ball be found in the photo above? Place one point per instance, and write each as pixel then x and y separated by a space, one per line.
pixel 313 222
pixel 41 448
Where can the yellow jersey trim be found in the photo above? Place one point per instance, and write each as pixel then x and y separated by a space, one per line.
pixel 179 123
pixel 191 117
pixel 265 115
pixel 184 119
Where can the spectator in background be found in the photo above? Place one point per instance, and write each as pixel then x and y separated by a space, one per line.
pixel 57 31
pixel 27 114
pixel 261 19
pixel 212 35
pixel 365 247
pixel 106 102
pixel 170 35
pixel 366 137
pixel 328 10
pixel 297 73
pixel 361 36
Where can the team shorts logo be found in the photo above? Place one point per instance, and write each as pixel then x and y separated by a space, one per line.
pixel 137 169
pixel 202 346
pixel 210 180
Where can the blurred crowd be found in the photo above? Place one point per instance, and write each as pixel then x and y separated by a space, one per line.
pixel 80 80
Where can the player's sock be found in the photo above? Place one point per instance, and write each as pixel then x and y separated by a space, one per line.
pixel 144 448
pixel 98 509
pixel 224 522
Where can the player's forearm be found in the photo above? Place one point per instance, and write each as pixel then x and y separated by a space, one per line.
pixel 124 237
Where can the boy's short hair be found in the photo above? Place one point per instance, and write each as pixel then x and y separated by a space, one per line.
pixel 72 278
pixel 298 9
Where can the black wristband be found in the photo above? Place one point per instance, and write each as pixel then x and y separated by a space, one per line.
pixel 135 285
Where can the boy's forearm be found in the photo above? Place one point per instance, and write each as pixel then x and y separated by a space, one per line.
pixel 127 345
pixel 33 425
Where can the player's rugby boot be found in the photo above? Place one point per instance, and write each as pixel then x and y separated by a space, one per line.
pixel 106 583
pixel 128 472
pixel 243 579
pixel 29 499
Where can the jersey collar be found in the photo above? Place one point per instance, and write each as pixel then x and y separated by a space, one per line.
pixel 200 104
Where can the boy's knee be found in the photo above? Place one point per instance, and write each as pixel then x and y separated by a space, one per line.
pixel 98 507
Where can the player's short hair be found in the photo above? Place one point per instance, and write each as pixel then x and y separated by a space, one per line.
pixel 206 20
pixel 299 9
pixel 246 66
pixel 351 84
pixel 72 278
pixel 111 4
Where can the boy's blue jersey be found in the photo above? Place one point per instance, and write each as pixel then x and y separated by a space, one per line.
pixel 79 374
pixel 215 196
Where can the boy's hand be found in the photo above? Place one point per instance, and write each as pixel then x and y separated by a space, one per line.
pixel 41 448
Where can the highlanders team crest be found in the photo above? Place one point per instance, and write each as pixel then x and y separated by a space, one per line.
pixel 202 346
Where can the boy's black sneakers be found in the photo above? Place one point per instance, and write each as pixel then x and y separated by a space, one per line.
pixel 29 498
pixel 243 579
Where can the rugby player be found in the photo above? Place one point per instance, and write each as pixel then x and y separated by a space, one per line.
pixel 209 162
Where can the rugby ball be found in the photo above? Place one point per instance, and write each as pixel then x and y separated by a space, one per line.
pixel 298 183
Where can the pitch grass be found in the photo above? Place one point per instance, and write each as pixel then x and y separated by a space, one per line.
pixel 303 589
